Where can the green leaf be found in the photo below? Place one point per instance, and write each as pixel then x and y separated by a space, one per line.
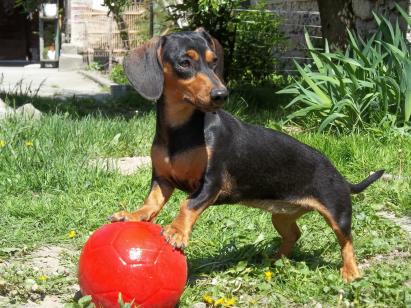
pixel 407 102
pixel 85 301
pixel 404 14
pixel 310 46
pixel 289 90
pixel 325 99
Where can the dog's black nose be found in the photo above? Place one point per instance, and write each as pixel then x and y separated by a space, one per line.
pixel 219 94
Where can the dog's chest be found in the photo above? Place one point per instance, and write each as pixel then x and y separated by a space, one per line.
pixel 185 169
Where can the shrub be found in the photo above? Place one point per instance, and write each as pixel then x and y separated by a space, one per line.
pixel 368 85
pixel 247 36
pixel 257 37
pixel 117 74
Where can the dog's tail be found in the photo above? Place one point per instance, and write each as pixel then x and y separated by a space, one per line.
pixel 357 188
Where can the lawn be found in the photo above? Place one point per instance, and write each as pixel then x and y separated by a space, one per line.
pixel 48 189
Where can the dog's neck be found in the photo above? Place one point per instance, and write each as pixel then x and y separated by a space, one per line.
pixel 179 125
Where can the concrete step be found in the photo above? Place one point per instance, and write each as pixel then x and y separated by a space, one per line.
pixel 70 62
pixel 69 49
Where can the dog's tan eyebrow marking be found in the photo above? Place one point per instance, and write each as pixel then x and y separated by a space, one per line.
pixel 193 54
pixel 210 56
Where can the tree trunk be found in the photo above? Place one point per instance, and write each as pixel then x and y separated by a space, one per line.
pixel 336 16
pixel 122 27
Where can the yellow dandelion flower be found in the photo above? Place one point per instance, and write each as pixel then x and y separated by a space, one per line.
pixel 42 277
pixel 208 299
pixel 268 275
pixel 2 143
pixel 220 301
pixel 229 302
pixel 72 234
pixel 29 143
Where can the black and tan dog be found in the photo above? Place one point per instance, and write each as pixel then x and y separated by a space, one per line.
pixel 217 159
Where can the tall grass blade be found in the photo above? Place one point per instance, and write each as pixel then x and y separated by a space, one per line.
pixel 321 94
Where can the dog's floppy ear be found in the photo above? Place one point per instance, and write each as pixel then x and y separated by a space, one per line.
pixel 144 69
pixel 217 48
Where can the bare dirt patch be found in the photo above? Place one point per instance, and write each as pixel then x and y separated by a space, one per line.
pixel 393 256
pixel 44 278
pixel 403 222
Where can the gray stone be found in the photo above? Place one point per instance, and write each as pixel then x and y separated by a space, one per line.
pixel 47 302
pixel 47 259
pixel 199 305
pixel 71 62
pixel 124 165
pixel 28 111
pixel 5 110
pixel 4 301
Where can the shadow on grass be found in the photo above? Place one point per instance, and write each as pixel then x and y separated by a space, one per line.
pixel 259 256
pixel 126 106
pixel 251 104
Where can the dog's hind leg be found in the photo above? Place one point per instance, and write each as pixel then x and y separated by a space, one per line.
pixel 338 217
pixel 340 222
pixel 286 226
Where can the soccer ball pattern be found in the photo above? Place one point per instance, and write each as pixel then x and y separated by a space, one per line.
pixel 131 258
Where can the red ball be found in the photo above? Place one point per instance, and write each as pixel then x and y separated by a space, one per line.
pixel 131 258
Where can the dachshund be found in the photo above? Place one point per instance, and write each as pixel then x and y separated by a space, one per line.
pixel 217 159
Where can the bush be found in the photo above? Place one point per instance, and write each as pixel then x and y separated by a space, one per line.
pixel 247 36
pixel 257 36
pixel 117 74
pixel 367 86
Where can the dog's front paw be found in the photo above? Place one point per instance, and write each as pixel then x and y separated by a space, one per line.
pixel 142 214
pixel 349 274
pixel 175 236
pixel 123 216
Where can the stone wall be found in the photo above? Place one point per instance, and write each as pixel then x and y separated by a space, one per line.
pixel 300 14
pixel 364 19
pixel 296 15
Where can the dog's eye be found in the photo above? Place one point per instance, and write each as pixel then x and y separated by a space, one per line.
pixel 214 62
pixel 185 63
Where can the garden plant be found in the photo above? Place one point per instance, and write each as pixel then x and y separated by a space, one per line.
pixel 366 86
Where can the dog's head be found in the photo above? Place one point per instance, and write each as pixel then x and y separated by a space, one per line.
pixel 184 66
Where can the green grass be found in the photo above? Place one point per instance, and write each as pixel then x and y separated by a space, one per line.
pixel 48 188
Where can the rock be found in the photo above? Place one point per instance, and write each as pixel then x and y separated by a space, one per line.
pixel 47 259
pixel 199 305
pixel 4 301
pixel 124 165
pixel 28 111
pixel 5 110
pixel 48 302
